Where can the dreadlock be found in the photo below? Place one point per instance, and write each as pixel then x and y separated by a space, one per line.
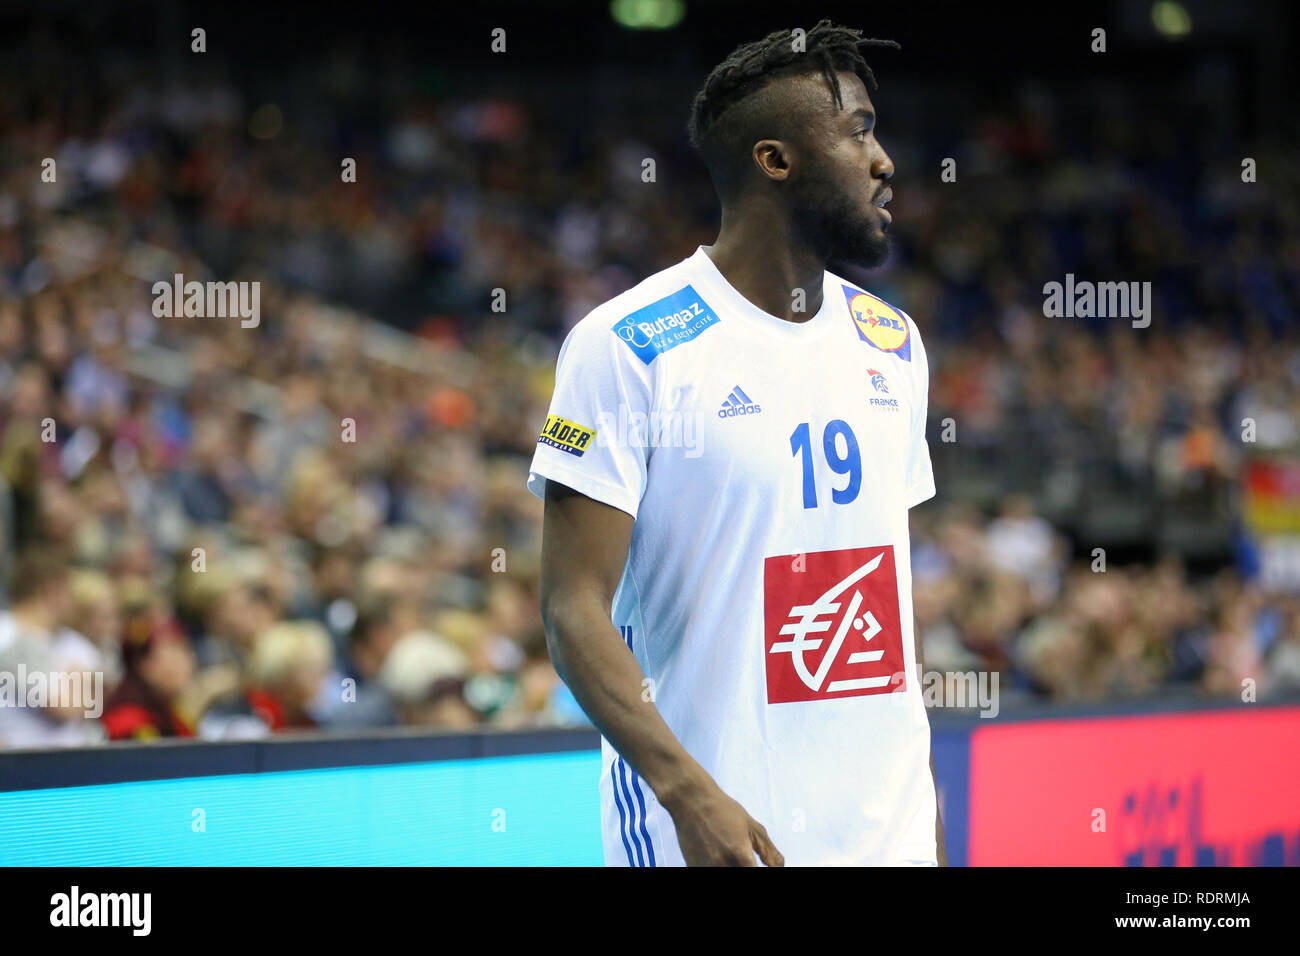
pixel 828 49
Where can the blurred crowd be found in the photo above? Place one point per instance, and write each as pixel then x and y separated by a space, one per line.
pixel 1001 595
pixel 322 521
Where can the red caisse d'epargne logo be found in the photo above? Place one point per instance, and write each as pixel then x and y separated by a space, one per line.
pixel 831 625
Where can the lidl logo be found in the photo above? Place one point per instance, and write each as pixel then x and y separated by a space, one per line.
pixel 879 324
pixel 566 435
pixel 665 324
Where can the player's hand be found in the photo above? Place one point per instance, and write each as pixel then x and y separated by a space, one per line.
pixel 715 830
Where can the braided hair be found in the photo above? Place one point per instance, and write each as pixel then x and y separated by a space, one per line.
pixel 827 49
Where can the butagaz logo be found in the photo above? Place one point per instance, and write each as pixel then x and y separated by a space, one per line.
pixel 666 324
pixel 832 629
pixel 210 300
pixel 738 403
pixel 75 908
pixel 566 435
pixel 879 324
pixel 878 383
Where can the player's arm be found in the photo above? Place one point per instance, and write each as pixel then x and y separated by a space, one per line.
pixel 940 849
pixel 584 549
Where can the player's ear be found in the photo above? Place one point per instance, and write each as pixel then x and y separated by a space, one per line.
pixel 772 157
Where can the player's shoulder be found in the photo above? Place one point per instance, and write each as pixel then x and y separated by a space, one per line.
pixel 879 323
pixel 661 313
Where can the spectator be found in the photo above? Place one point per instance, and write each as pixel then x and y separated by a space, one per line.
pixel 38 659
pixel 425 675
pixel 363 702
pixel 290 662
pixel 159 667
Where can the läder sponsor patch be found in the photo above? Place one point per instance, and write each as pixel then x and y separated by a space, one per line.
pixel 566 435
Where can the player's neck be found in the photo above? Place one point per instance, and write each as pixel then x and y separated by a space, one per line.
pixel 763 260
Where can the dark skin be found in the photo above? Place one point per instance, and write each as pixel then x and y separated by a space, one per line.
pixel 584 549
pixel 808 197
pixel 811 197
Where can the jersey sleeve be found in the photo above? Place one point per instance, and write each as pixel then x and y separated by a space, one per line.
pixel 920 472
pixel 594 439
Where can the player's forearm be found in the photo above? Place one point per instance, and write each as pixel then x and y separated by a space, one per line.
pixel 606 680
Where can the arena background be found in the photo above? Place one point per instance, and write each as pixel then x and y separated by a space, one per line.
pixel 269 597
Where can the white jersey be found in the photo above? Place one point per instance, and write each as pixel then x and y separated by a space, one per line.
pixel 770 466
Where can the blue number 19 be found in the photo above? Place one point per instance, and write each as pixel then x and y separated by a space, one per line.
pixel 850 464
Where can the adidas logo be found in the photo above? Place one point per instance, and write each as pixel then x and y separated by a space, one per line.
pixel 738 403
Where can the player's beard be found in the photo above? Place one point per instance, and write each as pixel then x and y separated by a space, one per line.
pixel 857 239
pixel 833 225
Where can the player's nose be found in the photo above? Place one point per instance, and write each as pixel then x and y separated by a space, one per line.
pixel 882 167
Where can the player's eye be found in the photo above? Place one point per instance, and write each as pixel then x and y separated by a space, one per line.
pixel 862 135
